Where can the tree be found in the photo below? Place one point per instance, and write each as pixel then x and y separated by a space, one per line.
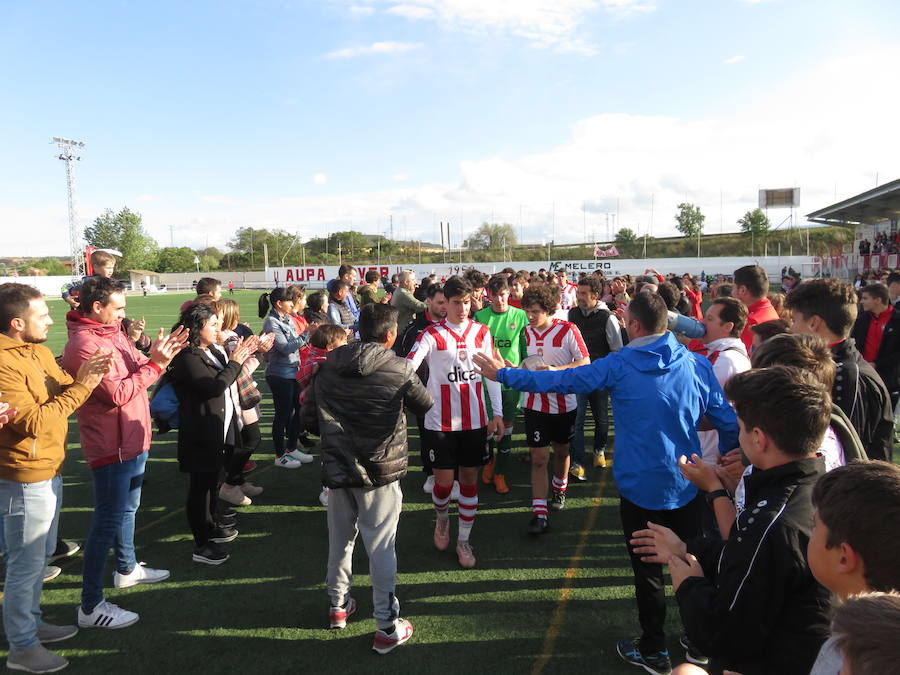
pixel 690 220
pixel 176 259
pixel 351 243
pixel 208 263
pixel 491 236
pixel 755 224
pixel 626 236
pixel 51 267
pixel 123 231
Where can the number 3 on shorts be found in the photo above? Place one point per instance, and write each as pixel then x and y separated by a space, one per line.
pixel 537 436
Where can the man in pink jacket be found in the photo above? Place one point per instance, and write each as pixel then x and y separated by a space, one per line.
pixel 114 425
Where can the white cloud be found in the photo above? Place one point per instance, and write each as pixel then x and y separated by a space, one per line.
pixel 320 178
pixel 361 10
pixel 400 177
pixel 375 48
pixel 411 11
pixel 219 199
pixel 734 59
pixel 543 23
pixel 610 162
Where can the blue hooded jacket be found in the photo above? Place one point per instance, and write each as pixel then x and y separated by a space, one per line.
pixel 659 393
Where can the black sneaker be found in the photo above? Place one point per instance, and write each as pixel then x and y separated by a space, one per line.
pixel 64 549
pixel 227 512
pixel 538 525
pixel 306 441
pixel 691 653
pixel 657 663
pixel 222 535
pixel 558 500
pixel 226 522
pixel 210 554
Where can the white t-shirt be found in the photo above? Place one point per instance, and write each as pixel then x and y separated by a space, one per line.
pixel 729 357
pixel 457 389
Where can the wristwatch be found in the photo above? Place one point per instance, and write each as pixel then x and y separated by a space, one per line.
pixel 715 494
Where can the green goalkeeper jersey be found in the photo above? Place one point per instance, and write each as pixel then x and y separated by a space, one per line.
pixel 507 330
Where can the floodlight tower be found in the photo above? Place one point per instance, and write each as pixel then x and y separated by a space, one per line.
pixel 68 148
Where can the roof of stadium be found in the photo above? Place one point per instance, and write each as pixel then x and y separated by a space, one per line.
pixel 872 206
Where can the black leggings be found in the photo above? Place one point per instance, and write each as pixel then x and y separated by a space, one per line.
pixel 202 504
pixel 235 458
pixel 286 399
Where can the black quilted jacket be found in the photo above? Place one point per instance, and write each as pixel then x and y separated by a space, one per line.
pixel 356 405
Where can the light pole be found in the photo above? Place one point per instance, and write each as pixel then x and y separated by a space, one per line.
pixel 197 263
pixel 67 147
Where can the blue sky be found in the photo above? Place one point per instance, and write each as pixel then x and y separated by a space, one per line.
pixel 313 116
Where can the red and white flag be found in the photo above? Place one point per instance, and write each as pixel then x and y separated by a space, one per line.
pixel 610 252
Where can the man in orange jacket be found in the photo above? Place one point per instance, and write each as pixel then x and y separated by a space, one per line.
pixel 32 449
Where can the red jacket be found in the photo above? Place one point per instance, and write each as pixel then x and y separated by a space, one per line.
pixel 114 423
pixel 696 300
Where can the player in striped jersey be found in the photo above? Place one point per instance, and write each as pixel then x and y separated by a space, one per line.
pixel 549 418
pixel 457 426
pixel 507 326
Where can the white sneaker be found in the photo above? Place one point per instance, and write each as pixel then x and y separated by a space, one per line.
pixel 287 462
pixel 454 492
pixel 141 574
pixel 323 496
pixel 106 615
pixel 300 456
pixel 429 485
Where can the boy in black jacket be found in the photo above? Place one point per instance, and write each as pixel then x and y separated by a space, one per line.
pixel 356 407
pixel 751 603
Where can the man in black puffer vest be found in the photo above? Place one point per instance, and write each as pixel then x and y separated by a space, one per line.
pixel 602 334
pixel 356 406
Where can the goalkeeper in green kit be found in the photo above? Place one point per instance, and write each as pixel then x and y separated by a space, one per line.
pixel 507 326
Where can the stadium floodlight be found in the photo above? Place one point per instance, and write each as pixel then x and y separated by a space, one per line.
pixel 68 147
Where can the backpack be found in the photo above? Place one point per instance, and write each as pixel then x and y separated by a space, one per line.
pixel 164 405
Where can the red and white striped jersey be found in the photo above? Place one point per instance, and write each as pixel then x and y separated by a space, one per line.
pixel 558 344
pixel 455 385
pixel 568 296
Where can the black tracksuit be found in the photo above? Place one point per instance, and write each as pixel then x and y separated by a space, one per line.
pixel 759 610
pixel 860 392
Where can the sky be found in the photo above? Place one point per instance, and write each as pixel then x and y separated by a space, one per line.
pixel 568 119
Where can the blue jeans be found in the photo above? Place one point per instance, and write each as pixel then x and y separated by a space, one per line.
pixel 29 517
pixel 117 495
pixel 286 420
pixel 597 401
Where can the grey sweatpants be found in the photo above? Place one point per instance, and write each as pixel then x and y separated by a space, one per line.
pixel 374 513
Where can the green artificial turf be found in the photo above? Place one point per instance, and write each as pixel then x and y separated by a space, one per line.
pixel 555 604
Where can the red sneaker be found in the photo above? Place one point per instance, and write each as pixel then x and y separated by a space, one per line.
pixel 385 642
pixel 338 616
pixel 248 467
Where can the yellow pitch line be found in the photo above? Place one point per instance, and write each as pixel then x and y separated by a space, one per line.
pixel 154 523
pixel 565 592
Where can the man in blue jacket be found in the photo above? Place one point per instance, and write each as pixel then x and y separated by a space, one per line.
pixel 660 394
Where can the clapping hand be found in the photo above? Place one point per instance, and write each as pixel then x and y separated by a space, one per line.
pixel 165 348
pixel 266 341
pixel 657 544
pixel 245 349
pixel 682 568
pixel 136 329
pixel 7 414
pixel 92 369
pixel 701 474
